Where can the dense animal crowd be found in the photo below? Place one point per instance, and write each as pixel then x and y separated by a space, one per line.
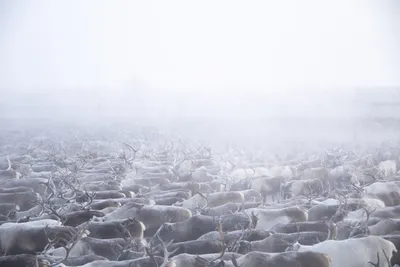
pixel 147 199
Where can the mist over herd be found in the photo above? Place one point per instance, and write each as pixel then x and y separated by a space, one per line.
pixel 145 196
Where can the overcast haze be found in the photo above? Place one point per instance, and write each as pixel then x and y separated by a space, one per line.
pixel 194 58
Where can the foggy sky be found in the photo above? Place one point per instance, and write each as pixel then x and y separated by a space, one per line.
pixel 203 58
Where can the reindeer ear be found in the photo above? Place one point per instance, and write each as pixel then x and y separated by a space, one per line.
pixel 97 219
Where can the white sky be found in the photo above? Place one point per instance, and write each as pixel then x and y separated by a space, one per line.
pixel 111 54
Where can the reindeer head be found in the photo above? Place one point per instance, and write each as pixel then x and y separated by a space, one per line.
pixel 244 247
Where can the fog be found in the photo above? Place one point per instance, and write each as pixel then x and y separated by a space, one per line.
pixel 214 63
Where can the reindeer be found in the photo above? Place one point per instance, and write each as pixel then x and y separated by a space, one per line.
pixel 354 252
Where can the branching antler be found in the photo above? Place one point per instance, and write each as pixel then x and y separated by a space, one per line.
pixel 201 262
pixel 331 230
pixel 363 225
pixel 31 149
pixel 9 163
pixel 165 250
pixel 234 247
pixel 373 176
pixel 254 220
pixel 69 244
pixel 234 261
pixel 133 153
pixel 176 164
pixel 343 206
pixel 377 262
pixel 151 255
pixel 45 203
pixel 386 257
pixel 90 197
pixel 359 188
pixel 111 167
pixel 205 198
pixel 368 212
pixel 128 237
pixel 156 234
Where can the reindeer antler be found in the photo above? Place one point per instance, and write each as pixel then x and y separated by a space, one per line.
pixel 67 249
pixel 203 262
pixel 377 263
pixel 90 197
pixel 9 163
pixel 205 198
pixel 234 261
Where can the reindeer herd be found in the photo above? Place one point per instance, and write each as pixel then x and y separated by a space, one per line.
pixel 147 198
